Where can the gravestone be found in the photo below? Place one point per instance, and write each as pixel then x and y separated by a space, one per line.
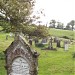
pixel 44 41
pixel 66 45
pixel 55 39
pixel 36 41
pixel 30 41
pixel 50 44
pixel 58 43
pixel 20 58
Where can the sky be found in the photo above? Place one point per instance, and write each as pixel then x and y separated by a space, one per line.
pixel 60 10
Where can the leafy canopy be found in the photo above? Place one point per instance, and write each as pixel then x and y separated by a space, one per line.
pixel 16 12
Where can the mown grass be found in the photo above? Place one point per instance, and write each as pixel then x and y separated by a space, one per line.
pixel 60 33
pixel 56 62
pixel 3 45
pixel 50 62
pixel 3 42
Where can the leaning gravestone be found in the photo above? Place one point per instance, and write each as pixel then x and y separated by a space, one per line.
pixel 20 58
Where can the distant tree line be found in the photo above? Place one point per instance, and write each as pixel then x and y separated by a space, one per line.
pixel 60 25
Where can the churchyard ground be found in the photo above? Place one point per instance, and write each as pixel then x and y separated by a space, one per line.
pixel 50 62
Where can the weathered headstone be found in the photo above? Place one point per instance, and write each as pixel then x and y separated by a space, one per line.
pixel 44 41
pixel 58 43
pixel 55 39
pixel 30 41
pixel 50 44
pixel 20 58
pixel 66 45
pixel 36 41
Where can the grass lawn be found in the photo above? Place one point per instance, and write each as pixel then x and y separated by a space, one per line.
pixel 49 63
pixel 56 63
pixel 61 33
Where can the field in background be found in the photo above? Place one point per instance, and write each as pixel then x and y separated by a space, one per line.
pixel 50 62
pixel 61 33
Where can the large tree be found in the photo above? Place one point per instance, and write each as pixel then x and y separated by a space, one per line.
pixel 72 23
pixel 60 25
pixel 41 31
pixel 52 23
pixel 17 12
pixel 37 31
pixel 68 27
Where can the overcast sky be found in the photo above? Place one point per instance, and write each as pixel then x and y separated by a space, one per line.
pixel 60 10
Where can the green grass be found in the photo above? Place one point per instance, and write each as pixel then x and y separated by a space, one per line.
pixel 1 28
pixel 56 62
pixel 3 42
pixel 50 62
pixel 61 33
pixel 3 45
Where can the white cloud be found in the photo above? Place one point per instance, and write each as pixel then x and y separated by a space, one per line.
pixel 60 10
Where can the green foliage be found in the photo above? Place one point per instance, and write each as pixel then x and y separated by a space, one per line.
pixel 68 27
pixel 72 23
pixel 28 29
pixel 66 37
pixel 52 23
pixel 33 30
pixel 41 31
pixel 5 26
pixel 16 11
pixel 39 45
pixel 59 25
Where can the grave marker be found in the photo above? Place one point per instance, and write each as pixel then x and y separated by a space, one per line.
pixel 30 41
pixel 50 44
pixel 44 41
pixel 55 39
pixel 36 41
pixel 20 58
pixel 66 45
pixel 58 43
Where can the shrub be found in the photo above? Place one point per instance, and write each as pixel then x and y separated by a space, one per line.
pixel 66 37
pixel 39 45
